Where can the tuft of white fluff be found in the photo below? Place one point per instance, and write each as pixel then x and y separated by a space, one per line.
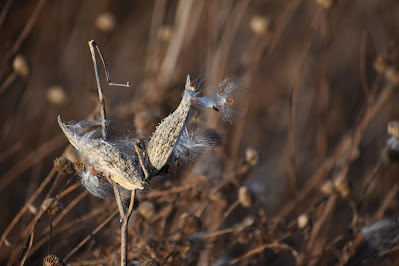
pixel 97 186
pixel 195 141
pixel 223 100
pixel 382 234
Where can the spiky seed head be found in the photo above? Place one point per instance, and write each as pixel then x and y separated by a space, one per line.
pixel 52 207
pixel 245 197
pixel 146 209
pixel 189 224
pixel 20 66
pixel 52 260
pixel 63 165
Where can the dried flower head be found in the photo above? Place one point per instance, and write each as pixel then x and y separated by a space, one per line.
pixel 150 262
pixel 52 206
pixel 52 260
pixel 63 165
pixel 342 187
pixel 245 196
pixel 380 64
pixel 106 22
pixel 20 66
pixel 302 221
pixel 146 209
pixel 327 188
pixel 189 224
pixel 251 156
pixel 325 3
pixel 56 95
pixel 260 25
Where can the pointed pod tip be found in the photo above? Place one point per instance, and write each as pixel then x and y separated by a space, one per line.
pixel 189 85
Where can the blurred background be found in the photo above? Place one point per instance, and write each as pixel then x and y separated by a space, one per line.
pixel 318 83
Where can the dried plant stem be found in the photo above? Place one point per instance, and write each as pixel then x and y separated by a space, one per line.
pixel 50 235
pixel 348 145
pixel 124 215
pixel 22 165
pixel 124 227
pixel 74 224
pixel 84 241
pixel 274 246
pixel 25 32
pixel 26 206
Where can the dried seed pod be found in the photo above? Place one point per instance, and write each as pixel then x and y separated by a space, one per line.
pixel 63 165
pixel 52 260
pixel 302 221
pixel 169 130
pixel 150 262
pixel 251 156
pixel 189 224
pixel 20 66
pixel 52 207
pixel 146 209
pixel 106 158
pixel 245 197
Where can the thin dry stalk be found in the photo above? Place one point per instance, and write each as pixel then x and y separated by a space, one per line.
pixel 95 231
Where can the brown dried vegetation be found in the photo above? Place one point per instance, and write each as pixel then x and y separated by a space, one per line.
pixel 319 186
